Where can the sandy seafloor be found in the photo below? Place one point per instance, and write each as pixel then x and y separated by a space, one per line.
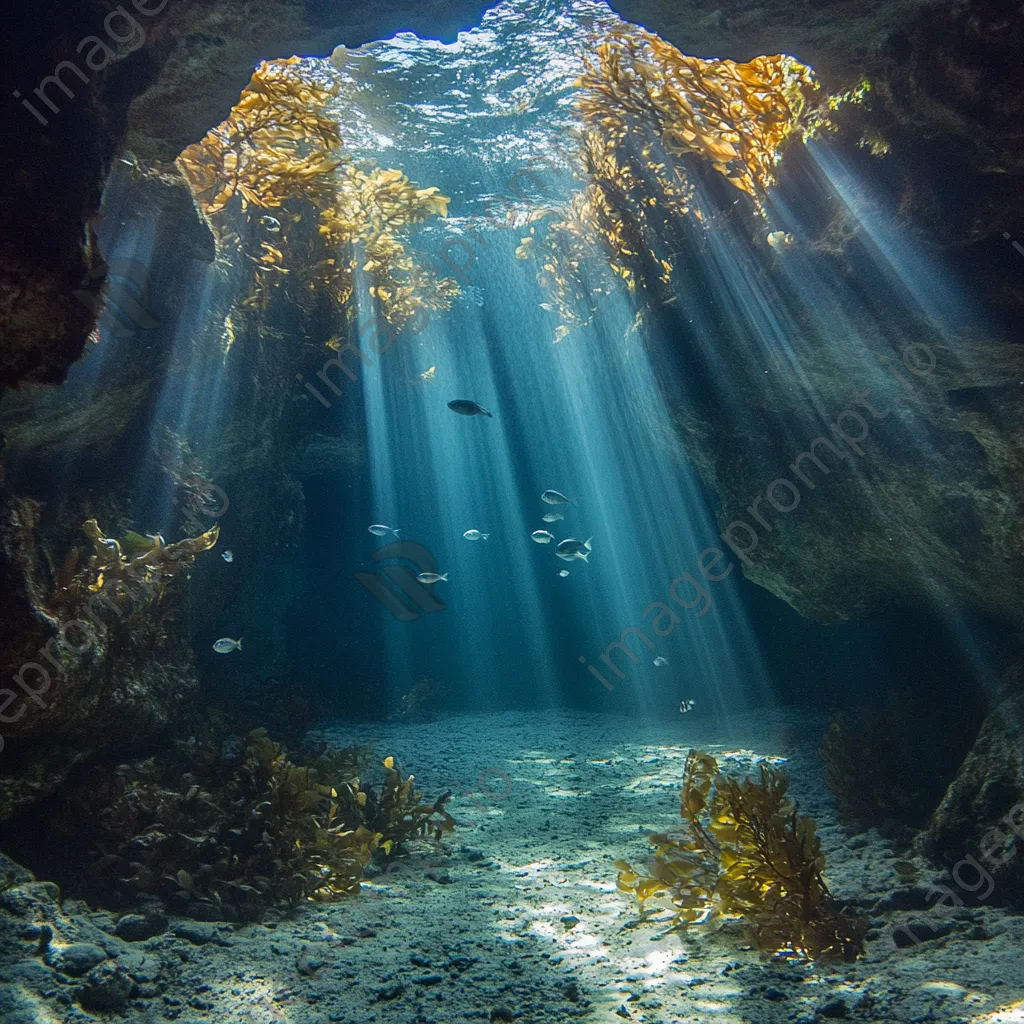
pixel 518 917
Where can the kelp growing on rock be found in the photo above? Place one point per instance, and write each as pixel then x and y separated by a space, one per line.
pixel 138 567
pixel 644 110
pixel 277 143
pixel 745 853
pixel 335 221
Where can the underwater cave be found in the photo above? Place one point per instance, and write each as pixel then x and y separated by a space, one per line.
pixel 512 511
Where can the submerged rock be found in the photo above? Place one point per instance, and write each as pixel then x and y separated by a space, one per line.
pixel 76 959
pixel 978 829
pixel 107 987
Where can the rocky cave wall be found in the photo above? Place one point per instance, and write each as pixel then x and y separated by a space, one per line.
pixel 949 97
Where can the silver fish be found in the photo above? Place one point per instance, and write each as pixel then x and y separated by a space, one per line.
pixel 475 535
pixel 226 645
pixel 780 241
pixel 556 498
pixel 431 577
pixel 542 537
pixel 552 517
pixel 661 662
pixel 271 224
pixel 380 530
pixel 687 705
pixel 573 548
pixel 228 555
pixel 563 572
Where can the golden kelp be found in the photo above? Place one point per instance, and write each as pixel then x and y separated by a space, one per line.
pixel 644 108
pixel 744 852
pixel 360 233
pixel 736 116
pixel 610 232
pixel 334 221
pixel 277 143
pixel 222 836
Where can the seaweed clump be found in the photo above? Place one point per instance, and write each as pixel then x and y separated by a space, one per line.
pixel 230 832
pixel 649 121
pixel 335 223
pixel 745 853
pixel 888 767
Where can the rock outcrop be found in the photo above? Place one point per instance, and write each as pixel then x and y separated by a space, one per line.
pixel 982 814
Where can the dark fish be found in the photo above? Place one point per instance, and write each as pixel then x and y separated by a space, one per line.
pixel 464 407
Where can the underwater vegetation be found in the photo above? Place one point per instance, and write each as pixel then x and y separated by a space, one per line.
pixel 231 830
pixel 277 144
pixel 335 221
pixel 115 568
pixel 745 853
pixel 888 766
pixel 643 109
pixel 422 702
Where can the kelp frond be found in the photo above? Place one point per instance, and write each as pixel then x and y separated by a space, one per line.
pixel 116 568
pixel 334 222
pixel 277 143
pixel 648 116
pixel 745 853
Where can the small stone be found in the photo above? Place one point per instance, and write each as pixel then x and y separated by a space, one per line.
pixel 569 921
pixel 774 994
pixel 139 927
pixel 76 959
pixel 834 1010
pixel 106 987
pixel 429 979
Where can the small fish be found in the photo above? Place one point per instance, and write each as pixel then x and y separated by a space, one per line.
pixel 228 556
pixel 553 517
pixel 780 241
pixel 464 407
pixel 556 498
pixel 563 572
pixel 431 577
pixel 157 539
pixel 660 661
pixel 271 224
pixel 475 535
pixel 380 530
pixel 428 375
pixel 542 537
pixel 226 645
pixel 573 548
pixel 474 294
pixel 687 705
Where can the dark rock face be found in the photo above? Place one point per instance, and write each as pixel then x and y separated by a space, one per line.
pixel 981 818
